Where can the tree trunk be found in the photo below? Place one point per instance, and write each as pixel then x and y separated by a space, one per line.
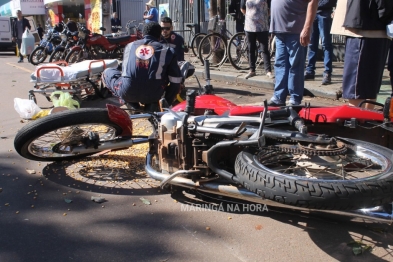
pixel 221 8
pixel 216 47
pixel 213 8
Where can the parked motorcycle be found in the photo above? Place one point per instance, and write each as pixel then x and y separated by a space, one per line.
pixel 50 40
pixel 68 40
pixel 97 46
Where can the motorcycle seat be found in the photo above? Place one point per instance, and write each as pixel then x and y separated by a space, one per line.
pixel 116 40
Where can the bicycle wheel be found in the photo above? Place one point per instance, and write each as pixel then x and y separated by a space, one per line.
pixel 196 40
pixel 213 48
pixel 238 51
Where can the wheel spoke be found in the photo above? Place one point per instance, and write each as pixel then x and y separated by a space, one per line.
pixel 353 165
pixel 61 141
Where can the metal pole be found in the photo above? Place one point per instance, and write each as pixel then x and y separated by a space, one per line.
pixel 197 15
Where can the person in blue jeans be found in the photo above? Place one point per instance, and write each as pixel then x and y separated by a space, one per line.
pixel 321 29
pixel 291 22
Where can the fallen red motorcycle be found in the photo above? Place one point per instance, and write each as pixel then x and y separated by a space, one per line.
pixel 97 46
pixel 273 156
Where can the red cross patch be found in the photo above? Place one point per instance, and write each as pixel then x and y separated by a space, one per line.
pixel 144 52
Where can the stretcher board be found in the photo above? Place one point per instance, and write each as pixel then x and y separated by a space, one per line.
pixel 53 73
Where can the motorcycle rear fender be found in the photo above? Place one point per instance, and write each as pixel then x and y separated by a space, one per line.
pixel 120 118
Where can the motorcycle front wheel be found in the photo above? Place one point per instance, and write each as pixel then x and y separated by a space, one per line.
pixel 360 178
pixel 54 137
pixel 75 56
pixel 57 55
pixel 38 55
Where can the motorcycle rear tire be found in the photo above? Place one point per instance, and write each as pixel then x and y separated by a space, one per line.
pixel 28 134
pixel 35 52
pixel 317 193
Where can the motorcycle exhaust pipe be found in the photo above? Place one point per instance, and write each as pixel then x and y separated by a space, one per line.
pixel 110 145
pixel 373 214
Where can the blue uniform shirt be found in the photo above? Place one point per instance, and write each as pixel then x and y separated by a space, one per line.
pixel 175 41
pixel 152 11
pixel 150 68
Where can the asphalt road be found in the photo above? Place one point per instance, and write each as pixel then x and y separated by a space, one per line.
pixel 38 221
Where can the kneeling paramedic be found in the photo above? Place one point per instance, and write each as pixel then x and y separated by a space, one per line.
pixel 149 70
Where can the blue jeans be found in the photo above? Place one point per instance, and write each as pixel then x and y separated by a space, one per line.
pixel 289 69
pixel 321 28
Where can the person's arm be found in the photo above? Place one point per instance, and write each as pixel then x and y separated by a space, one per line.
pixel 14 31
pixel 385 10
pixel 149 14
pixel 175 79
pixel 28 24
pixel 243 7
pixel 305 35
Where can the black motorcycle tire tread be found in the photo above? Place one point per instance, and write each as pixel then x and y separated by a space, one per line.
pixel 67 59
pixel 52 56
pixel 32 55
pixel 316 193
pixel 52 122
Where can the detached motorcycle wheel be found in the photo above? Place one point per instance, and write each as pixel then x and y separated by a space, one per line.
pixel 38 55
pixel 53 137
pixel 361 178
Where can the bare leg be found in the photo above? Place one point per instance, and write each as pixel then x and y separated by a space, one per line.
pixel 356 102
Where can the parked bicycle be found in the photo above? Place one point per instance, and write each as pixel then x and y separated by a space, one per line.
pixel 238 51
pixel 193 39
pixel 213 47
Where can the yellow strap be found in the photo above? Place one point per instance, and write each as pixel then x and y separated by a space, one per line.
pixel 178 97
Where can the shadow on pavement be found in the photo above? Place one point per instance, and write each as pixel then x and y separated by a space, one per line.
pixel 332 234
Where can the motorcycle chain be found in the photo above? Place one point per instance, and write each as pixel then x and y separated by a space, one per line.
pixel 315 149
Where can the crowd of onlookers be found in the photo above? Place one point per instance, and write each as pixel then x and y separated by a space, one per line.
pixel 300 25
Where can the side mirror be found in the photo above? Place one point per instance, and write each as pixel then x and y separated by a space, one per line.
pixel 103 29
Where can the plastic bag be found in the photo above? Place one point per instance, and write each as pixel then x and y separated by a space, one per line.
pixel 60 98
pixel 389 29
pixel 26 108
pixel 40 114
pixel 27 45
